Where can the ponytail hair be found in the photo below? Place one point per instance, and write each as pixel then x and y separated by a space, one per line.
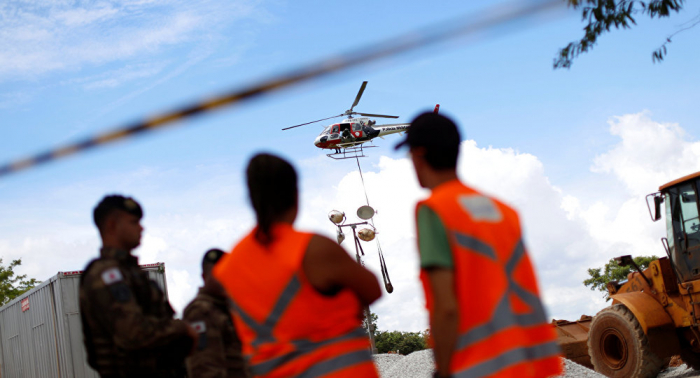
pixel 272 187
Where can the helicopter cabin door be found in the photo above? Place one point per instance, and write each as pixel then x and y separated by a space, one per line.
pixel 357 130
pixel 335 131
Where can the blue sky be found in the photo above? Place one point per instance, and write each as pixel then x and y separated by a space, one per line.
pixel 574 150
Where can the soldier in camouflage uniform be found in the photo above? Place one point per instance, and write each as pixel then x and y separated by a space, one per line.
pixel 218 353
pixel 128 326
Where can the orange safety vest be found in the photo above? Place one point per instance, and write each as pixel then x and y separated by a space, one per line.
pixel 503 330
pixel 287 328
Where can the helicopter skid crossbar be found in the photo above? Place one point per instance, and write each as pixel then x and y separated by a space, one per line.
pixel 349 153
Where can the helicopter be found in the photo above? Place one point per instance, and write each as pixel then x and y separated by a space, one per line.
pixel 347 137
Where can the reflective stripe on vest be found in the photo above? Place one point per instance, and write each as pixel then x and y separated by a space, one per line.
pixel 264 330
pixel 504 317
pixel 510 358
pixel 325 367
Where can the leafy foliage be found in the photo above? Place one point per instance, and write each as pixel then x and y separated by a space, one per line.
pixel 601 15
pixel 393 341
pixel 613 272
pixel 12 285
pixel 403 342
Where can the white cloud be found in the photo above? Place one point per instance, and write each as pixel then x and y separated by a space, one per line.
pixel 117 77
pixel 649 154
pixel 41 37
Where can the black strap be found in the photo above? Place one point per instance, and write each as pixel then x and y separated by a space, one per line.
pixel 385 272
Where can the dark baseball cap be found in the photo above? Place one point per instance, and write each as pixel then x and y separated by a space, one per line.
pixel 433 131
pixel 212 256
pixel 115 202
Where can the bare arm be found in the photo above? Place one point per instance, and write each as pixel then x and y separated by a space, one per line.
pixel 329 268
pixel 444 317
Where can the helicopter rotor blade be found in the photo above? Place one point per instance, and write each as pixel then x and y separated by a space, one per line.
pixel 377 115
pixel 307 123
pixel 359 94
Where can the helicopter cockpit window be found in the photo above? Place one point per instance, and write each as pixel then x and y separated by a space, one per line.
pixel 326 131
pixel 356 127
pixel 335 129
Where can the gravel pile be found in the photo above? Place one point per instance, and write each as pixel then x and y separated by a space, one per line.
pixel 572 369
pixel 386 361
pixel 682 371
pixel 421 365
pixel 416 365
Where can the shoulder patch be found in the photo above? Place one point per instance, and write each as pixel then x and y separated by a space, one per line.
pixel 199 326
pixel 112 275
pixel 480 208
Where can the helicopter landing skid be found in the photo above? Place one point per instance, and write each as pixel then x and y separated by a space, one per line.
pixel 350 153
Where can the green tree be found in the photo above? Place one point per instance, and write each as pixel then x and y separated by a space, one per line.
pixel 612 271
pixel 12 285
pixel 601 15
pixel 426 337
pixel 403 342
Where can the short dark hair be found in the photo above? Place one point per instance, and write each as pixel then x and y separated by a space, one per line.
pixel 272 187
pixel 112 203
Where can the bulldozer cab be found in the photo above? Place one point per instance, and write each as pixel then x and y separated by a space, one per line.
pixel 680 200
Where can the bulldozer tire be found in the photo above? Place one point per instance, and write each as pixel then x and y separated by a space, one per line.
pixel 618 346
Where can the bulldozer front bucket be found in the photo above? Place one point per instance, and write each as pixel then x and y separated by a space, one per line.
pixel 573 339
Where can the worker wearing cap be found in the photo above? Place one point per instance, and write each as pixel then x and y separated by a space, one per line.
pixel 298 297
pixel 486 317
pixel 128 326
pixel 218 353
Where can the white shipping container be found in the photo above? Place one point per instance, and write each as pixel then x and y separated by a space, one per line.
pixel 41 335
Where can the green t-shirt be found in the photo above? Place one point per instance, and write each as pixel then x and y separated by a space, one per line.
pixel 433 244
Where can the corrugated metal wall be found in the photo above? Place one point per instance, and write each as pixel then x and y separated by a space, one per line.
pixel 47 340
pixel 29 337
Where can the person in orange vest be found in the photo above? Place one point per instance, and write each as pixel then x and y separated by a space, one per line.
pixel 297 297
pixel 486 317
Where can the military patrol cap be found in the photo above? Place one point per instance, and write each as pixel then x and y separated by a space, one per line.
pixel 212 256
pixel 115 202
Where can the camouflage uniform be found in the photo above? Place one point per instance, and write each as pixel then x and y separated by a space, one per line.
pixel 128 326
pixel 218 353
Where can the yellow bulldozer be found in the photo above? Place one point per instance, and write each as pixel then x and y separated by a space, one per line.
pixel 655 313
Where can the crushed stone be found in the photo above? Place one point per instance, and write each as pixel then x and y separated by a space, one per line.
pixel 682 371
pixel 421 364
pixel 572 369
pixel 418 364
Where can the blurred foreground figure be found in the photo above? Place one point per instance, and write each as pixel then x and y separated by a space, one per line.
pixel 218 353
pixel 128 326
pixel 486 317
pixel 298 297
